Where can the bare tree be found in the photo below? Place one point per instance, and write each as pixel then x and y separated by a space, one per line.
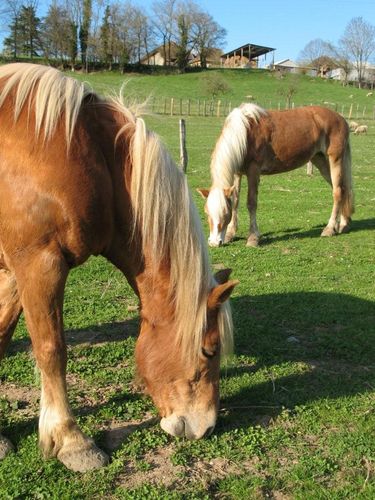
pixel 207 35
pixel 342 60
pixel 358 42
pixel 313 51
pixel 165 25
pixel 56 32
pixel 141 32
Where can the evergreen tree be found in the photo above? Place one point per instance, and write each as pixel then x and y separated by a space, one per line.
pixel 105 38
pixel 183 50
pixel 84 31
pixel 12 42
pixel 29 31
pixel 73 43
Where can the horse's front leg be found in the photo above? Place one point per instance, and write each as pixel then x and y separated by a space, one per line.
pixel 253 176
pixel 232 226
pixel 41 280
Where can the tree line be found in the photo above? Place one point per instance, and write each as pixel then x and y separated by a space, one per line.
pixel 110 33
pixel 353 50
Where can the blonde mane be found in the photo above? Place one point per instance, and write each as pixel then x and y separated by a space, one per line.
pixel 161 201
pixel 170 226
pixel 52 94
pixel 230 150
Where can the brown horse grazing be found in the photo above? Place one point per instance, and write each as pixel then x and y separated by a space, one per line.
pixel 80 175
pixel 254 142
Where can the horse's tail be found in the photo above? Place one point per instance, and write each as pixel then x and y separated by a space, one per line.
pixel 348 195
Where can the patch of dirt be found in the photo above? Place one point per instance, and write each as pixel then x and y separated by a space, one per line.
pixel 162 472
pixel 26 399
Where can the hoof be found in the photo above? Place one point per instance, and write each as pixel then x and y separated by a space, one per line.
pixel 6 447
pixel 328 231
pixel 252 241
pixel 228 238
pixel 82 460
pixel 344 229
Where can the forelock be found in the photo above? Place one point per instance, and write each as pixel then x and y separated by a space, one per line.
pixel 216 203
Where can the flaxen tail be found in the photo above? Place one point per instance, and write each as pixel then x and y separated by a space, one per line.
pixel 348 198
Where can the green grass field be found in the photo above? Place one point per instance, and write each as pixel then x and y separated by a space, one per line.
pixel 297 417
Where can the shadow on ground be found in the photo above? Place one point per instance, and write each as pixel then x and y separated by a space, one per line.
pixel 295 233
pixel 333 335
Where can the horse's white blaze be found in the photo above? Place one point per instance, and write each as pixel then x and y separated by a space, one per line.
pixel 217 210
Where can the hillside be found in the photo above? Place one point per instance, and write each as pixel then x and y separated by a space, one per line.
pixel 266 88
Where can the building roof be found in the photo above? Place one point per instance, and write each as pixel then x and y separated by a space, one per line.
pixel 287 63
pixel 249 50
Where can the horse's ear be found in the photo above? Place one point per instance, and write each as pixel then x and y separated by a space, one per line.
pixel 229 191
pixel 220 294
pixel 203 192
pixel 222 276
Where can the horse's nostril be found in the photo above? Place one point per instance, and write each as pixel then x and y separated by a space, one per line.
pixel 208 431
pixel 220 243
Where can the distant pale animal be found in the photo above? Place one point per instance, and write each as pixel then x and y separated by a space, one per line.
pixel 369 94
pixel 362 129
pixel 353 125
pixel 257 142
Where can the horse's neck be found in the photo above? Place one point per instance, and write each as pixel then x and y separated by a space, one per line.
pixel 154 294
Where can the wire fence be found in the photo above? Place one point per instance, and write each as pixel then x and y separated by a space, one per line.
pixel 220 108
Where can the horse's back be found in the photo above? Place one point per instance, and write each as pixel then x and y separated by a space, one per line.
pixel 293 137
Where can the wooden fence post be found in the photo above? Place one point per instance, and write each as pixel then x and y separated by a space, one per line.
pixel 183 150
pixel 350 111
pixel 309 168
pixel 218 107
pixel 172 106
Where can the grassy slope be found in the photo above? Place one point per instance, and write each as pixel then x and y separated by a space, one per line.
pixel 297 418
pixel 265 87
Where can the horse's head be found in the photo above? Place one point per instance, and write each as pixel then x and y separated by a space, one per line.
pixel 218 208
pixel 185 392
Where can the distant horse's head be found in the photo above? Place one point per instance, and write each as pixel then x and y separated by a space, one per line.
pixel 186 391
pixel 218 208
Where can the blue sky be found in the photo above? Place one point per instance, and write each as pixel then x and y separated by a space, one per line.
pixel 287 25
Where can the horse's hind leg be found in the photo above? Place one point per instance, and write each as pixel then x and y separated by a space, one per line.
pixel 323 165
pixel 332 227
pixel 41 279
pixel 10 309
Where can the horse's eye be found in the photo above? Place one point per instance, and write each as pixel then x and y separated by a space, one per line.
pixel 209 354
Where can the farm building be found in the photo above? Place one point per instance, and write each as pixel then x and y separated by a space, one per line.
pixel 289 66
pixel 352 76
pixel 246 56
pixel 161 56
pixel 213 59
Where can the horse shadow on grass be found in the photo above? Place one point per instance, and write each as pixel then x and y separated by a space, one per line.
pixel 293 348
pixel 296 233
pixel 304 346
